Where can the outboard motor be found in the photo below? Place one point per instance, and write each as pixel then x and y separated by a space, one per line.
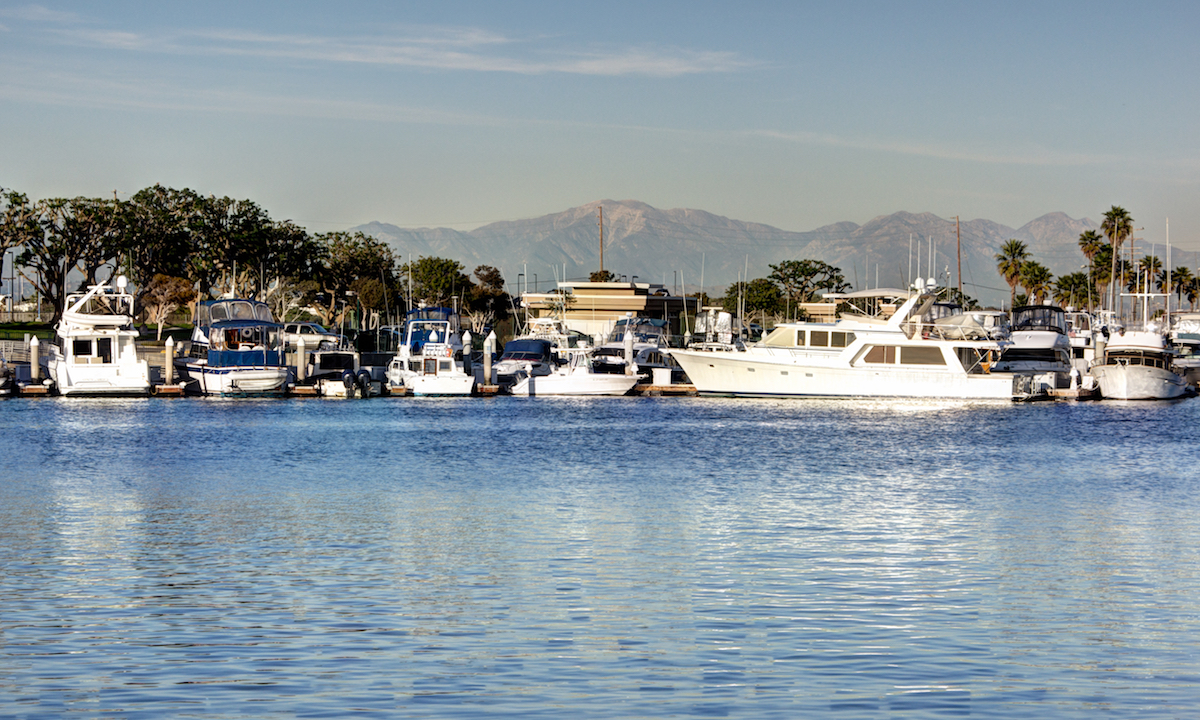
pixel 364 383
pixel 348 382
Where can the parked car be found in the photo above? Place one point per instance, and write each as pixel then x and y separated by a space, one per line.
pixel 315 337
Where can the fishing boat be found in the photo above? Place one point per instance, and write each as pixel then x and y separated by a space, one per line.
pixel 236 349
pixel 869 351
pixel 1039 346
pixel 339 373
pixel 1138 365
pixel 524 357
pixel 95 350
pixel 637 345
pixel 575 376
pixel 431 359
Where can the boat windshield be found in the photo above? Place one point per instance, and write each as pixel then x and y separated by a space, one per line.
pixel 246 337
pixel 1040 317
pixel 428 331
pixel 536 350
pixel 643 332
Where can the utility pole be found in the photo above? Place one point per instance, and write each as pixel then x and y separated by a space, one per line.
pixel 958 232
pixel 600 209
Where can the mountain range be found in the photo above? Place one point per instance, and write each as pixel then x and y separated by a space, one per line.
pixel 684 248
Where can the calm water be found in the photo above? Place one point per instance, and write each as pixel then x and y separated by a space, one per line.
pixel 607 558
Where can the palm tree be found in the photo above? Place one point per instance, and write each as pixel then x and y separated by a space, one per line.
pixel 1009 260
pixel 1037 280
pixel 1090 243
pixel 1073 290
pixel 1180 277
pixel 1118 227
pixel 1192 290
pixel 1149 267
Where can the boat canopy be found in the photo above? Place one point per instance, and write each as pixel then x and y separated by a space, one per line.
pixel 214 311
pixel 532 349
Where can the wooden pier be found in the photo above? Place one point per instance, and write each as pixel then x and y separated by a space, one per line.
pixel 672 390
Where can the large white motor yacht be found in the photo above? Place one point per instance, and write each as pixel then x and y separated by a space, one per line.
pixel 95 351
pixel 862 354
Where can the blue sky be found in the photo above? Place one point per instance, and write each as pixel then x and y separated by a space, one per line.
pixel 461 113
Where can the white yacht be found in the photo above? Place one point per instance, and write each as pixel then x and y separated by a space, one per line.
pixel 862 354
pixel 236 349
pixel 575 376
pixel 431 361
pixel 1185 341
pixel 1039 346
pixel 95 351
pixel 1138 365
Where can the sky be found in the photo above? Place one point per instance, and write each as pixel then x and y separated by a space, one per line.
pixel 457 114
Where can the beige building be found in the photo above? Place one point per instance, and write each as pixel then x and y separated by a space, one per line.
pixel 593 308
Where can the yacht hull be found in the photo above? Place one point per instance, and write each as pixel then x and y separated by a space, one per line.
pixel 575 384
pixel 440 385
pixel 1139 382
pixel 236 381
pixel 743 375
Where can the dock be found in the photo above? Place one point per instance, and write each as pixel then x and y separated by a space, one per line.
pixel 672 390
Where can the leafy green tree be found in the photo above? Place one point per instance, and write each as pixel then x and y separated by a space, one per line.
pixel 1009 260
pixel 156 234
pixel 348 258
pixel 487 301
pixel 70 233
pixel 801 279
pixel 602 276
pixel 437 281
pixel 759 295
pixel 18 220
pixel 164 295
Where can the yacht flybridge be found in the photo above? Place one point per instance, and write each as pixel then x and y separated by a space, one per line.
pixel 867 352
pixel 95 352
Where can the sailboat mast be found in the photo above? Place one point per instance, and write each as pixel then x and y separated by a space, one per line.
pixel 600 209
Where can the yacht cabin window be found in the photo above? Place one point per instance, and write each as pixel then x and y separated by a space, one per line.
pixel 819 338
pixel 887 354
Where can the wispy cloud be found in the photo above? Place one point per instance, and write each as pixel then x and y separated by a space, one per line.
pixel 437 48
pixel 39 14
pixel 1038 157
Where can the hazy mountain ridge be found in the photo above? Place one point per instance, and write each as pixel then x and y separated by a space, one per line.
pixel 681 245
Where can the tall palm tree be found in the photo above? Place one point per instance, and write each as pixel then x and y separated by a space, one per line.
pixel 1180 277
pixel 1037 280
pixel 1149 267
pixel 1117 227
pixel 1090 243
pixel 1073 290
pixel 1009 260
